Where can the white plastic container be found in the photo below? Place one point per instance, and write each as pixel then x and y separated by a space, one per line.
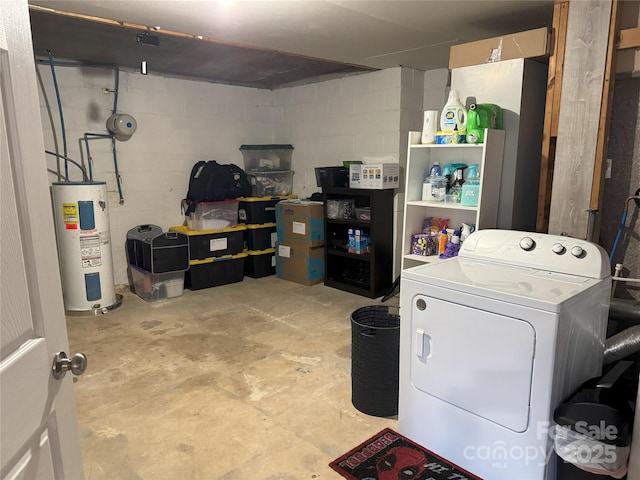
pixel 453 114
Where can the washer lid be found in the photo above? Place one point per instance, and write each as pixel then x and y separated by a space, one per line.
pixel 526 286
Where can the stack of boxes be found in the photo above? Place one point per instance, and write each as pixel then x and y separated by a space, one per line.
pixel 300 246
pixel 157 261
pixel 268 168
pixel 216 255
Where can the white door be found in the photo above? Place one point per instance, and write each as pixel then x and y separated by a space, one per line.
pixel 38 430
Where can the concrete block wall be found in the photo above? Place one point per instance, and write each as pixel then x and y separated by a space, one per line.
pixel 363 117
pixel 179 123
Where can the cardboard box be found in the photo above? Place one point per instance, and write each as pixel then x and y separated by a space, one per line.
pixel 300 221
pixel 377 176
pixel 300 263
pixel 528 44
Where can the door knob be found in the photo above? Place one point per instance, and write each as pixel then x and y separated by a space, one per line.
pixel 61 364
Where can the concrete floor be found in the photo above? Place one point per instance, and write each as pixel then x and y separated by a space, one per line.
pixel 244 381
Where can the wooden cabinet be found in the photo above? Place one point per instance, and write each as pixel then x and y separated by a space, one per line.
pixel 420 159
pixel 368 273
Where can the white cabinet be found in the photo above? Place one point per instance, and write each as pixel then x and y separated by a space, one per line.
pixel 420 158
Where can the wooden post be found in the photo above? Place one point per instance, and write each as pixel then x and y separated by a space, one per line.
pixel 581 120
pixel 600 165
pixel 552 112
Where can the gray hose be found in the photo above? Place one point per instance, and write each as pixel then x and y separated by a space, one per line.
pixel 622 345
pixel 628 310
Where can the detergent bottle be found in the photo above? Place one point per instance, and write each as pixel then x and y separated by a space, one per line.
pixel 481 116
pixel 454 113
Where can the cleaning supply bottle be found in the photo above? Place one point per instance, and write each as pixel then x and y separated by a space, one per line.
pixel 454 113
pixel 442 245
pixel 431 183
pixel 481 116
pixel 458 182
pixel 466 231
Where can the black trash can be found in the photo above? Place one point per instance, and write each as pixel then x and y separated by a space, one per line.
pixel 375 352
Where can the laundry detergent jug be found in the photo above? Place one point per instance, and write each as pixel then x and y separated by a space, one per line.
pixel 481 116
pixel 454 114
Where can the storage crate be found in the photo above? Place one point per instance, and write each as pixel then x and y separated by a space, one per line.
pixel 153 287
pixel 212 215
pixel 259 210
pixel 260 237
pixel 276 183
pixel 213 243
pixel 260 263
pixel 155 251
pixel 213 272
pixel 265 158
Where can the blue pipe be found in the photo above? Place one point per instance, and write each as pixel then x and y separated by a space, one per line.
pixel 71 63
pixel 86 140
pixel 95 136
pixel 618 235
pixel 64 133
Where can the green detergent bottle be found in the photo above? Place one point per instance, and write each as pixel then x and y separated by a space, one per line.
pixel 481 116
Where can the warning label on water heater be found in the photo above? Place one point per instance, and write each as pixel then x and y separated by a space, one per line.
pixel 70 216
pixel 90 251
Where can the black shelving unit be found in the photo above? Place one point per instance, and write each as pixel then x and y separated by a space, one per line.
pixel 368 274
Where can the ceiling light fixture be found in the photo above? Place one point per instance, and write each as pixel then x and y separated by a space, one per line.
pixel 147 39
pixel 143 67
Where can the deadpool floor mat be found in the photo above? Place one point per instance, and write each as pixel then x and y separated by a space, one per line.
pixel 390 456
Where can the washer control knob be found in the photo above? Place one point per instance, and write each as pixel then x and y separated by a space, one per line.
pixel 558 248
pixel 577 251
pixel 527 243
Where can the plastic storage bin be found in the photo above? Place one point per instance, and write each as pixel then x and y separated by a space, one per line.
pixel 212 215
pixel 260 263
pixel 332 177
pixel 276 183
pixel 155 251
pixel 265 158
pixel 375 354
pixel 363 214
pixel 213 243
pixel 260 237
pixel 213 272
pixel 259 210
pixel 153 287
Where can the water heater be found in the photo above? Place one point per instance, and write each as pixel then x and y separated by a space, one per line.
pixel 84 246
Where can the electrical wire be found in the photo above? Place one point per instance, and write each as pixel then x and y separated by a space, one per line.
pixel 67 159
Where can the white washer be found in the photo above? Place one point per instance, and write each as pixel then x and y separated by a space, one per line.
pixel 492 340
